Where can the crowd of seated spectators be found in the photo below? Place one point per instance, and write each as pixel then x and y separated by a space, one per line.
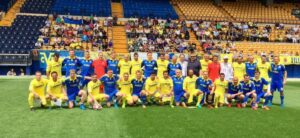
pixel 293 34
pixel 60 35
pixel 228 31
pixel 158 35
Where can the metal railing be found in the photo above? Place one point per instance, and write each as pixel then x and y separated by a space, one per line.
pixel 15 60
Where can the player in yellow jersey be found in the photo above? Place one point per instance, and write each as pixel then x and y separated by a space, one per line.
pixel 219 89
pixel 56 93
pixel 162 65
pixel 136 64
pixel 125 92
pixel 189 86
pixel 166 89
pixel 263 67
pixel 37 90
pixel 55 64
pixel 124 65
pixel 151 88
pixel 204 62
pixel 94 96
pixel 239 68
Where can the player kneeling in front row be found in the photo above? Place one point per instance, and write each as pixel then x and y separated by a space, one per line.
pixel 248 89
pixel 189 86
pixel 73 84
pixel 220 88
pixel 166 89
pixel 204 84
pixel 109 81
pixel 261 90
pixel 152 88
pixel 125 86
pixel 235 93
pixel 95 97
pixel 178 88
pixel 56 93
pixel 138 94
pixel 37 90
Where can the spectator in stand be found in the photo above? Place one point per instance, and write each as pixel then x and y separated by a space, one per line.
pixel 22 73
pixel 11 72
pixel 227 69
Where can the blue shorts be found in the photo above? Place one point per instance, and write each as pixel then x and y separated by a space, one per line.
pixel 178 96
pixel 72 96
pixel 235 97
pixel 260 95
pixel 276 85
pixel 111 94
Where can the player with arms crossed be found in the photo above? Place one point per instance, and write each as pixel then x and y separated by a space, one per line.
pixel 112 63
pixel 37 90
pixel 248 89
pixel 149 65
pixel 166 89
pixel 219 89
pixel 162 65
pixel 56 93
pixel 179 94
pixel 137 89
pixel 235 92
pixel 73 84
pixel 95 97
pixel 55 65
pixel 189 86
pixel 260 90
pixel 279 75
pixel 173 66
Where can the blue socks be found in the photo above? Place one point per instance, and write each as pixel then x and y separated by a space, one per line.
pixel 281 100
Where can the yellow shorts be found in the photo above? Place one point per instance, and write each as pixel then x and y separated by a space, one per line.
pixel 98 97
pixel 60 96
pixel 193 92
pixel 220 97
pixel 155 95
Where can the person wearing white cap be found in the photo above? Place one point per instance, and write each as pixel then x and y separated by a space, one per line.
pixel 227 69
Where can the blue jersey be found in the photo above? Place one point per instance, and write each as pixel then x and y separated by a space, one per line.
pixel 278 72
pixel 110 84
pixel 250 69
pixel 71 64
pixel 86 69
pixel 73 86
pixel 149 67
pixel 203 84
pixel 259 85
pixel 113 65
pixel 247 87
pixel 178 85
pixel 234 89
pixel 137 86
pixel 172 68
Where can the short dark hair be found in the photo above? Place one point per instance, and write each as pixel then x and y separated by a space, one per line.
pixel 246 75
pixel 56 55
pixel 222 74
pixel 135 54
pixel 54 72
pixel 165 72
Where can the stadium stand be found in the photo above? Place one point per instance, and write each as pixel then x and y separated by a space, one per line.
pixel 5 5
pixel 145 8
pixel 82 7
pixel 37 6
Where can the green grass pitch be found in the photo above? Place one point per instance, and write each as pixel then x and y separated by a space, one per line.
pixel 17 121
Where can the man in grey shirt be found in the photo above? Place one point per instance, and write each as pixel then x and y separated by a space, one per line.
pixel 194 64
pixel 183 64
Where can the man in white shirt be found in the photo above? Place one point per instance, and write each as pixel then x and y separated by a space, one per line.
pixel 227 69
pixel 183 64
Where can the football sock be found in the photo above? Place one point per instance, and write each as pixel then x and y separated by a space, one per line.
pixel 199 99
pixel 281 100
pixel 266 100
pixel 190 100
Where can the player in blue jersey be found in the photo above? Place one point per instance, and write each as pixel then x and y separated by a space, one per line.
pixel 235 92
pixel 179 94
pixel 71 63
pixel 261 90
pixel 204 84
pixel 149 65
pixel 138 92
pixel 112 63
pixel 73 84
pixel 86 69
pixel 173 66
pixel 251 67
pixel 248 89
pixel 109 81
pixel 278 80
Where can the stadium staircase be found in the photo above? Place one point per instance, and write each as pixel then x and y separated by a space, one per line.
pixel 117 10
pixel 12 13
pixel 193 39
pixel 230 17
pixel 178 12
pixel 119 40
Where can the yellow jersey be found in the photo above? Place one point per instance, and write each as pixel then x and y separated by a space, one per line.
pixel 161 67
pixel 56 87
pixel 38 86
pixel 54 66
pixel 135 66
pixel 125 86
pixel 221 86
pixel 151 85
pixel 94 87
pixel 204 64
pixel 124 67
pixel 264 70
pixel 239 70
pixel 189 84
pixel 165 85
